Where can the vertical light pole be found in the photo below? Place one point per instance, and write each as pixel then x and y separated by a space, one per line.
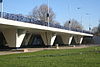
pixel 89 21
pixel 69 7
pixel 68 13
pixel 69 24
pixel 1 5
pixel 48 23
pixel 48 14
pixel 80 15
pixel 81 18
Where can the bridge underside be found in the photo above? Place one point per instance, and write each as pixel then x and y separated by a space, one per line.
pixel 15 38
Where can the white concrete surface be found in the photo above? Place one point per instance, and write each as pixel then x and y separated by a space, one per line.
pixel 15 31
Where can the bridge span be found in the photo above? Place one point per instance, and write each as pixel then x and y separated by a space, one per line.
pixel 17 30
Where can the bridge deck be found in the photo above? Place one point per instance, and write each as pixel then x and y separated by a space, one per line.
pixel 21 18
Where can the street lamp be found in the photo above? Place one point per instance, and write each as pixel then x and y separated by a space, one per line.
pixel 69 9
pixel 1 6
pixel 81 18
pixel 89 21
pixel 69 24
pixel 80 15
pixel 48 14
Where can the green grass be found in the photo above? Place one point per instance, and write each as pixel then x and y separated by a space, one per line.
pixel 85 57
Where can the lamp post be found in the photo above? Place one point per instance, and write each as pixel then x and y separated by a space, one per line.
pixel 1 5
pixel 48 14
pixel 69 9
pixel 89 21
pixel 69 24
pixel 69 14
pixel 80 15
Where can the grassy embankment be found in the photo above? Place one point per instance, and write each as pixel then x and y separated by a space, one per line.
pixel 85 57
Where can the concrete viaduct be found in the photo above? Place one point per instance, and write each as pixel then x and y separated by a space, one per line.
pixel 18 30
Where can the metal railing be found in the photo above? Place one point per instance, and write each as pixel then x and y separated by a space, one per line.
pixel 17 17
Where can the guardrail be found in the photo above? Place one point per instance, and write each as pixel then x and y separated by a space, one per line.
pixel 22 18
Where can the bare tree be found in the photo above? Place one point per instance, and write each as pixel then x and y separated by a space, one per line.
pixel 73 24
pixel 41 13
pixel 56 22
pixel 98 28
pixel 95 30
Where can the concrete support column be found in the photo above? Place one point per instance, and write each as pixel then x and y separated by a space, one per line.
pixel 27 38
pixel 20 34
pixel 53 39
pixel 48 38
pixel 14 37
pixel 44 37
pixel 70 40
pixel 10 36
pixel 81 40
pixel 66 38
pixel 78 39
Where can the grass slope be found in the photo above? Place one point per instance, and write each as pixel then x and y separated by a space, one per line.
pixel 85 57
